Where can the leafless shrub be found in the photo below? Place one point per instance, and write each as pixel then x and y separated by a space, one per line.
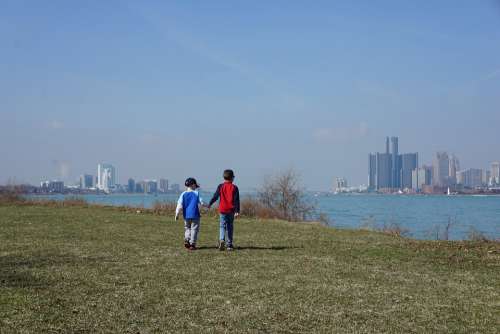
pixel 10 196
pixel 74 201
pixel 283 195
pixel 475 235
pixel 252 207
pixel 391 228
pixel 369 223
pixel 164 208
pixel 434 232
pixel 324 219
pixel 447 227
pixel 394 229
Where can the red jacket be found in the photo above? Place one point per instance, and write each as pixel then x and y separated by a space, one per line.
pixel 229 198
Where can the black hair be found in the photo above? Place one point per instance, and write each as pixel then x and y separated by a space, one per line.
pixel 228 175
pixel 190 182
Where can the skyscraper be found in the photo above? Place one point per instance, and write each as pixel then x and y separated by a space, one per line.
pixel 409 162
pixel 131 185
pixel 384 170
pixel 106 177
pixel 421 177
pixel 151 186
pixel 495 172
pixel 470 178
pixel 86 181
pixel 453 168
pixel 390 170
pixel 395 166
pixel 441 168
pixel 163 185
pixel 486 177
pixel 372 171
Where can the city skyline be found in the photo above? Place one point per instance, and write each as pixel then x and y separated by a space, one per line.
pixel 389 170
pixel 188 89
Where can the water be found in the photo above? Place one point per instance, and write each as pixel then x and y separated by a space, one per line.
pixel 421 215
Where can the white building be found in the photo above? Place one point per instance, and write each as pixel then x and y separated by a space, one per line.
pixel 106 177
pixel 495 172
pixel 454 167
pixel 441 169
pixel 471 177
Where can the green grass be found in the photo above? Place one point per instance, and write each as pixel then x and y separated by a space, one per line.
pixel 94 269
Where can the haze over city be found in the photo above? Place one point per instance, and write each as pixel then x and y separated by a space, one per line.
pixel 189 89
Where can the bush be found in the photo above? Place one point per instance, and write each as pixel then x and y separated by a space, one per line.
pixel 252 207
pixel 394 229
pixel 476 235
pixel 11 195
pixel 284 198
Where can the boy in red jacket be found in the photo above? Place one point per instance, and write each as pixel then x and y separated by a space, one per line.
pixel 229 208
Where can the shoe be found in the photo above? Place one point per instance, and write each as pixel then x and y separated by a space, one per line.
pixel 186 244
pixel 192 247
pixel 221 245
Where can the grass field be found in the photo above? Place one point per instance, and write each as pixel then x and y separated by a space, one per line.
pixel 91 269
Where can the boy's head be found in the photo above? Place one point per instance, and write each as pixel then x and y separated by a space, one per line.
pixel 228 175
pixel 191 183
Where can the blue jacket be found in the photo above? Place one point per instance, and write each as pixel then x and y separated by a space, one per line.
pixel 189 201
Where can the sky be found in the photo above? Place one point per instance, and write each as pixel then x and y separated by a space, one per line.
pixel 171 89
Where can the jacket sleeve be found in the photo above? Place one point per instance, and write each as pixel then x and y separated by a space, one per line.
pixel 179 204
pixel 236 200
pixel 215 197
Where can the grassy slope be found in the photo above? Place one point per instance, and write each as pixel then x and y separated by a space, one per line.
pixel 82 269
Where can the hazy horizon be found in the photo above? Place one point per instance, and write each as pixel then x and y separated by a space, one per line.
pixel 178 89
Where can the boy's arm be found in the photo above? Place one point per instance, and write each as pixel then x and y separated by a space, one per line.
pixel 201 201
pixel 179 206
pixel 215 197
pixel 236 201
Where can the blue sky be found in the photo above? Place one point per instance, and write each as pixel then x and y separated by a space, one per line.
pixel 188 88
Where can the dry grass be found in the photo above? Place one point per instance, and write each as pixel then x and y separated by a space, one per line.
pixel 81 269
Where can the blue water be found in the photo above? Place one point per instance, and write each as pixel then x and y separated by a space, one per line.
pixel 422 216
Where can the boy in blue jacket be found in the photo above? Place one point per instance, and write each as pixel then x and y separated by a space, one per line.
pixel 189 202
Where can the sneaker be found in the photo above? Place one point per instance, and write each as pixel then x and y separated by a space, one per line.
pixel 192 247
pixel 186 244
pixel 221 245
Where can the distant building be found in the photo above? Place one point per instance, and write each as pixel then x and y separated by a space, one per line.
pixel 131 185
pixel 163 185
pixel 421 177
pixel 470 178
pixel 395 163
pixel 151 187
pixel 86 181
pixel 486 177
pixel 139 187
pixel 495 173
pixel 52 186
pixel 453 168
pixel 441 169
pixel 340 184
pixel 409 162
pixel 106 177
pixel 390 170
pixel 372 171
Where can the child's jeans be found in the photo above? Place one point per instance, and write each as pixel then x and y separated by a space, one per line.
pixel 191 229
pixel 226 224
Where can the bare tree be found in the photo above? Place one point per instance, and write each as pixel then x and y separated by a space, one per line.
pixel 284 195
